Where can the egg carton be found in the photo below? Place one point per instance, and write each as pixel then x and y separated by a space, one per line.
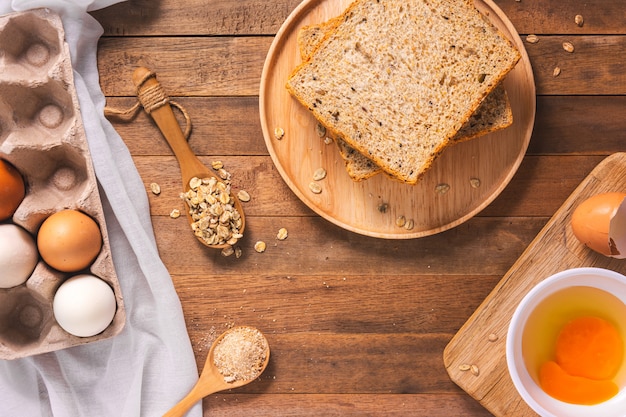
pixel 42 135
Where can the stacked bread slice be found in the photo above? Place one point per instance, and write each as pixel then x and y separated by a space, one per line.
pixel 396 81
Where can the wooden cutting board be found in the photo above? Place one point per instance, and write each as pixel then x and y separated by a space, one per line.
pixel 554 249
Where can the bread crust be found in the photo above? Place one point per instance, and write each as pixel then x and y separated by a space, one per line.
pixel 341 33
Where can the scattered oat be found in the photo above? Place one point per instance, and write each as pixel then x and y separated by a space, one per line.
pixel 260 246
pixel 568 46
pixel 238 252
pixel 228 251
pixel 243 195
pixel 319 174
pixel 409 224
pixel 579 20
pixel 320 129
pixel 442 188
pixel 493 337
pixel 328 140
pixel 155 188
pixel 279 133
pixel 556 72
pixel 532 39
pixel 475 370
pixel 400 221
pixel 475 182
pixel 174 214
pixel 217 165
pixel 383 207
pixel 464 367
pixel 282 234
pixel 223 174
pixel 315 188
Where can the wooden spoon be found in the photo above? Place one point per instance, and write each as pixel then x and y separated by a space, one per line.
pixel 190 165
pixel 211 380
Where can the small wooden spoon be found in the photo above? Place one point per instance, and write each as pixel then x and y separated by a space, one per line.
pixel 211 380
pixel 190 165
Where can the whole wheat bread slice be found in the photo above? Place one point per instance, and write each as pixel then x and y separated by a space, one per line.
pixel 493 114
pixel 397 79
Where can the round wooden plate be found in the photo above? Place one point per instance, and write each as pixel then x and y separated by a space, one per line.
pixel 476 171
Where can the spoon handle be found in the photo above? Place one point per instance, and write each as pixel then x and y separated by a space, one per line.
pixel 166 121
pixel 186 403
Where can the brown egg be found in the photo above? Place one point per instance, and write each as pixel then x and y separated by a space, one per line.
pixel 12 190
pixel 600 223
pixel 69 240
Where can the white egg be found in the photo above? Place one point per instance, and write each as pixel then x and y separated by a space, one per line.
pixel 84 305
pixel 18 255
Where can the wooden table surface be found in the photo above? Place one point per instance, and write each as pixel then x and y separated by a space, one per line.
pixel 357 325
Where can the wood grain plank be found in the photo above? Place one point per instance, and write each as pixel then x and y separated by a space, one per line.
pixel 254 17
pixel 221 66
pixel 344 304
pixel 401 363
pixel 343 405
pixel 317 247
pixel 186 66
pixel 580 125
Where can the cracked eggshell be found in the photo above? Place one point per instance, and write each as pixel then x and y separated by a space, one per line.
pixel 600 223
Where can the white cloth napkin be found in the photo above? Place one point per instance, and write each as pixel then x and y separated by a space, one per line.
pixel 150 366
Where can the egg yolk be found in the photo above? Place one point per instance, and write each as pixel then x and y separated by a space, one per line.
pixel 589 352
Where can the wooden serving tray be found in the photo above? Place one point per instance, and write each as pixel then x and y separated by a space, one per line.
pixel 492 159
pixel 554 249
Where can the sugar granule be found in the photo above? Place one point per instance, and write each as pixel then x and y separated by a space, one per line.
pixel 240 354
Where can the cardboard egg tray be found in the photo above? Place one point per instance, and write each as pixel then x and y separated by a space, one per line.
pixel 42 135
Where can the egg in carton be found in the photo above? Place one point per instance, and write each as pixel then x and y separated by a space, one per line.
pixel 42 136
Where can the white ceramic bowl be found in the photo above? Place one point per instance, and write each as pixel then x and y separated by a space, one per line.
pixel 543 404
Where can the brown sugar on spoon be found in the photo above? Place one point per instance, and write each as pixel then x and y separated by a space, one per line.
pixel 214 212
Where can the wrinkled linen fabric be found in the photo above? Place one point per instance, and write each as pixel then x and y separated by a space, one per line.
pixel 150 365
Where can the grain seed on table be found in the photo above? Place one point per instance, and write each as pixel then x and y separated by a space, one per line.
pixel 260 246
pixel 155 188
pixel 243 195
pixel 175 213
pixel 532 38
pixel 282 234
pixel 556 72
pixel 578 19
pixel 568 47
